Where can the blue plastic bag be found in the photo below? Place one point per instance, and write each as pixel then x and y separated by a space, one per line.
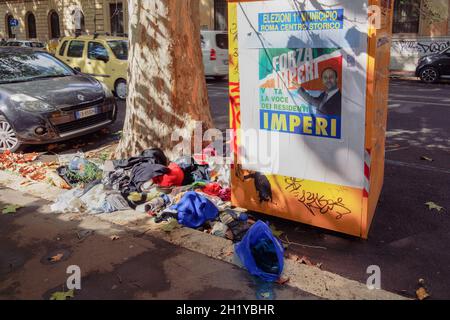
pixel 194 210
pixel 261 252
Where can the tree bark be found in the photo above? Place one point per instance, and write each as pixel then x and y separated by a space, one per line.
pixel 166 83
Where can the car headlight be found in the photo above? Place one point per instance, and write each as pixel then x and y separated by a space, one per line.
pixel 423 59
pixel 32 104
pixel 108 93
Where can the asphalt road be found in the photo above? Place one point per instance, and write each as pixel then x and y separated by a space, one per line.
pixel 407 241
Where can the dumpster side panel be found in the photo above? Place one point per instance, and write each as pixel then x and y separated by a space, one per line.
pixel 376 112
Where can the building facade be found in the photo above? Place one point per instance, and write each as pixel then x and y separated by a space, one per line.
pixel 420 27
pixel 50 19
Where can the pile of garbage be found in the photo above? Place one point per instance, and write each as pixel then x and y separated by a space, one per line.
pixel 193 192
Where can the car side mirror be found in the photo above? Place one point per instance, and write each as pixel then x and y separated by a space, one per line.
pixel 77 69
pixel 103 58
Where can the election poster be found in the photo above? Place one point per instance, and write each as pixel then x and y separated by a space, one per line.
pixel 300 87
pixel 300 91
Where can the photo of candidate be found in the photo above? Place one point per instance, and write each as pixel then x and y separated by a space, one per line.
pixel 329 101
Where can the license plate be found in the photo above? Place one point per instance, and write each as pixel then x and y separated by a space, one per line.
pixel 225 62
pixel 86 113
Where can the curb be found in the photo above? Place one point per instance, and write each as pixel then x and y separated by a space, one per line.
pixel 310 279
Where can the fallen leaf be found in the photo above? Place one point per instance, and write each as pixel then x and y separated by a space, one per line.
pixel 10 208
pixel 282 280
pixel 61 295
pixel 52 146
pixel 172 225
pixel 426 158
pixel 114 237
pixel 432 205
pixel 57 257
pixel 275 232
pixel 422 293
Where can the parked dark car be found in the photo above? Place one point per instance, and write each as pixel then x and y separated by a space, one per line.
pixel 433 67
pixel 43 100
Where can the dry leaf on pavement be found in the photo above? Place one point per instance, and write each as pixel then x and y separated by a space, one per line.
pixel 62 295
pixel 57 257
pixel 422 293
pixel 10 208
pixel 431 205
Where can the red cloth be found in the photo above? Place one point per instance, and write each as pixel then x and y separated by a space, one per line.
pixel 225 194
pixel 213 189
pixel 175 177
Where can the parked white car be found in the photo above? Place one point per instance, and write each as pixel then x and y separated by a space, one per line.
pixel 215 53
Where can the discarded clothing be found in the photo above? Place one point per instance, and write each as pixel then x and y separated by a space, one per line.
pixel 114 202
pixel 174 177
pixel 261 252
pixel 154 155
pixel 225 194
pixel 221 205
pixel 117 180
pixel 212 189
pixel 194 210
pixel 236 222
pixel 215 189
pixel 143 172
pixel 192 171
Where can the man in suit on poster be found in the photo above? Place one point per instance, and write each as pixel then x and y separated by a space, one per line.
pixel 329 101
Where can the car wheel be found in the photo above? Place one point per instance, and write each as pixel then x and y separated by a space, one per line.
pixel 8 137
pixel 120 89
pixel 429 75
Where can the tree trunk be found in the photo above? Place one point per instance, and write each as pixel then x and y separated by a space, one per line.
pixel 166 83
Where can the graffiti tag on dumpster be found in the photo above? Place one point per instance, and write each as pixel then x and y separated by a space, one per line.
pixel 316 202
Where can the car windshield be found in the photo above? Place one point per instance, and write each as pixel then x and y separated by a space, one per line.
pixel 28 66
pixel 119 48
